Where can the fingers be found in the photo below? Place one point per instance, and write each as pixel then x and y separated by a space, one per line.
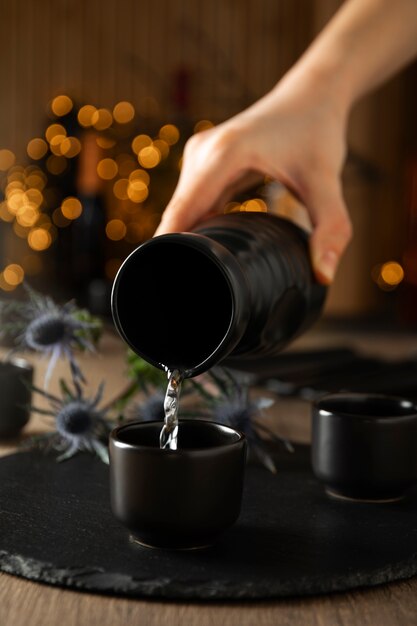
pixel 212 163
pixel 332 228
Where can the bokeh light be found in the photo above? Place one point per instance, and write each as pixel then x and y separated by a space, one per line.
pixel 169 133
pixel 140 175
pixel 102 119
pixel 115 229
pixel 203 125
pixel 120 189
pixel 107 169
pixel 123 112
pixel 13 274
pixel 162 146
pixel 61 105
pixel 137 191
pixel 70 147
pixel 256 205
pixel 71 208
pixel 86 114
pixel 139 142
pixel 39 239
pixel 105 142
pixel 37 148
pixel 7 159
pixel 149 157
pixel 55 130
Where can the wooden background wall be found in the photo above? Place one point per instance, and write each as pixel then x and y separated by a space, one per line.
pixel 233 51
pixel 103 51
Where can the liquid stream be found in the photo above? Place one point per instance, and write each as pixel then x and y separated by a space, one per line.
pixel 168 438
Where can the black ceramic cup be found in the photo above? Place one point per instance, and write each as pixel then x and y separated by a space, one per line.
pixel 364 447
pixel 177 499
pixel 16 376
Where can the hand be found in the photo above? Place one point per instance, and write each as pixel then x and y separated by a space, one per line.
pixel 295 134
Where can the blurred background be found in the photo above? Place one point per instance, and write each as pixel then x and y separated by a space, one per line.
pixel 97 100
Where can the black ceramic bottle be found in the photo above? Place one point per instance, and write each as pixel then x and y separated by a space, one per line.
pixel 240 287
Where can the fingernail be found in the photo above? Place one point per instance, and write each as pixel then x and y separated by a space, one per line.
pixel 327 264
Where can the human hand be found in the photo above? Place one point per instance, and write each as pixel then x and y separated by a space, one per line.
pixel 295 134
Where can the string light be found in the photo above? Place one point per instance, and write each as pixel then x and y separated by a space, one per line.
pixel 137 191
pixel 162 146
pixel 55 130
pixel 123 112
pixel 56 165
pixel 169 133
pixel 7 159
pixel 149 157
pixel 37 148
pixel 13 274
pixel 140 175
pixel 139 142
pixel 86 114
pixel 107 169
pixel 70 147
pixel 256 205
pixel 5 286
pixel 61 105
pixel 39 239
pixel 71 208
pixel 102 119
pixel 115 229
pixel 203 125
pixel 120 189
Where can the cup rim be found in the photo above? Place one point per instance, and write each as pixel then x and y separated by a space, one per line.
pixel 401 402
pixel 17 362
pixel 130 446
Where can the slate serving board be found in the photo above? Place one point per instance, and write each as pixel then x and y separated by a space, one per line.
pixel 291 539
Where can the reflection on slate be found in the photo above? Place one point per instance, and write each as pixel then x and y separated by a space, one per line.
pixel 291 540
pixel 310 374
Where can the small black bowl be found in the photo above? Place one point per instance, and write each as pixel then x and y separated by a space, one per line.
pixel 16 376
pixel 364 447
pixel 177 499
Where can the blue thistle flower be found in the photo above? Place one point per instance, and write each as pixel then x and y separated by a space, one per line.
pixel 80 424
pixel 52 330
pixel 235 408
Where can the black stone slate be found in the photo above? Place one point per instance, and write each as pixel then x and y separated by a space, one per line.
pixel 291 539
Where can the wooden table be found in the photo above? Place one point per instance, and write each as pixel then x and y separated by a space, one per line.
pixel 24 603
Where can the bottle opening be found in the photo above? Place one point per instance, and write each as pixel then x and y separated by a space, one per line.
pixel 172 303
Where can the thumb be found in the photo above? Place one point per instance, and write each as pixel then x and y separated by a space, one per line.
pixel 332 229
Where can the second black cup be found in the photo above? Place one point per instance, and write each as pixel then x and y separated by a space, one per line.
pixel 364 446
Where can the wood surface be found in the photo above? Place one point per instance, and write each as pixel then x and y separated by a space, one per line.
pixel 24 603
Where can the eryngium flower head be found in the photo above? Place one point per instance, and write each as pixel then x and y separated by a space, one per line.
pixel 80 424
pixel 52 330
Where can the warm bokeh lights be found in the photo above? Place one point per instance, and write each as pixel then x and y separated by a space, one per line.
pixel 7 159
pixel 388 275
pixel 61 105
pixel 115 230
pixel 13 274
pixel 71 208
pixel 169 133
pixel 86 114
pixel 39 239
pixel 107 169
pixel 149 157
pixel 123 112
pixel 37 148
